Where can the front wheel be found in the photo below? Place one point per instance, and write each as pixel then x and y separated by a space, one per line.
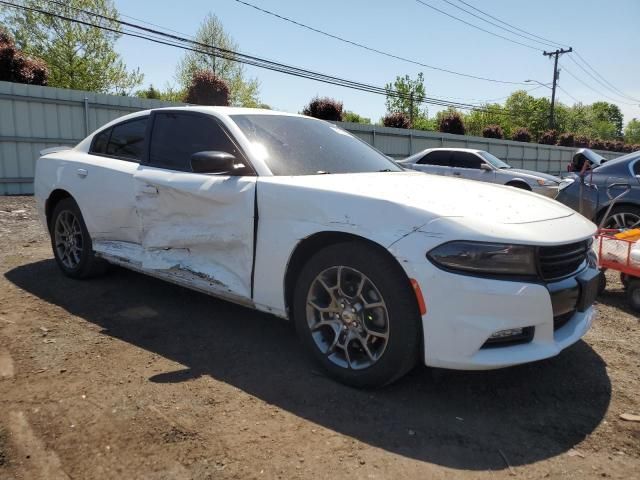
pixel 355 311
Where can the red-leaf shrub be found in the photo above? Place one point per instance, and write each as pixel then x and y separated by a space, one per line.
pixel 18 68
pixel 617 146
pixel 608 145
pixel 581 141
pixel 521 135
pixel 627 148
pixel 206 88
pixel 550 137
pixel 492 131
pixel 635 147
pixel 596 144
pixel 566 139
pixel 452 123
pixel 396 120
pixel 324 108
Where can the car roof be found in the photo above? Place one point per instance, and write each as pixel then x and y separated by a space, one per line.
pixel 439 149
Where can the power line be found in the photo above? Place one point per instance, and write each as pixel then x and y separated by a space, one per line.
pixel 499 26
pixel 371 49
pixel 476 27
pixel 606 85
pixel 513 26
pixel 241 57
pixel 591 88
pixel 568 94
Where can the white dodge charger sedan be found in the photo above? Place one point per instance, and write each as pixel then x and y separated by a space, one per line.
pixel 378 267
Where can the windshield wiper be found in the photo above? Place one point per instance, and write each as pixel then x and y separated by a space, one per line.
pixel 322 172
pixel 385 170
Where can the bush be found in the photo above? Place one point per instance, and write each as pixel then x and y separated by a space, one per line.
pixel 627 148
pixel 353 117
pixel 608 145
pixel 396 120
pixel 521 135
pixel 550 137
pixel 324 108
pixel 617 146
pixel 207 89
pixel 452 122
pixel 596 144
pixel 17 67
pixel 492 131
pixel 567 139
pixel 635 147
pixel 581 141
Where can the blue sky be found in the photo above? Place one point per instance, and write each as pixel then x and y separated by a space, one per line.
pixel 604 33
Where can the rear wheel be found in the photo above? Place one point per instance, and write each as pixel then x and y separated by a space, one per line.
pixel 355 311
pixel 71 242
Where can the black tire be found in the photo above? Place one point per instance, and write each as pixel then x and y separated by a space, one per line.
pixel 602 285
pixel 621 216
pixel 403 342
pixel 520 185
pixel 84 264
pixel 633 294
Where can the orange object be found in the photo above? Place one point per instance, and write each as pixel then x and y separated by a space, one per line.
pixel 632 235
pixel 419 296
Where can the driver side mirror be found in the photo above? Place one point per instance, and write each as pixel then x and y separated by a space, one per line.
pixel 486 167
pixel 212 162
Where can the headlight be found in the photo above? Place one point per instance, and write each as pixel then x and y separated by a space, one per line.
pixel 546 183
pixel 488 258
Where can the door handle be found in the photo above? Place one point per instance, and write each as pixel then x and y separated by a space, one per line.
pixel 456 174
pixel 82 173
pixel 148 190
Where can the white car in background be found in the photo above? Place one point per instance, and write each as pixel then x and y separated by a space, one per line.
pixel 378 267
pixel 482 166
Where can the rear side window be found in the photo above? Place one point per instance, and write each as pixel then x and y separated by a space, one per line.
pixel 438 158
pixel 177 136
pixel 465 160
pixel 636 168
pixel 127 139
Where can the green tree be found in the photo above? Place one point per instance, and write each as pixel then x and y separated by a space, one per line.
pixel 632 131
pixel 527 111
pixel 413 93
pixel 488 114
pixel 242 91
pixel 604 112
pixel 353 117
pixel 79 56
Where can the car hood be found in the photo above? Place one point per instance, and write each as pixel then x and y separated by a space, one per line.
pixel 437 196
pixel 533 174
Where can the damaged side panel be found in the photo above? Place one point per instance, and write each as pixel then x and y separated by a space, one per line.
pixel 197 227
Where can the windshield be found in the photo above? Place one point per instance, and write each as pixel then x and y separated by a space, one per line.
pixel 493 160
pixel 304 146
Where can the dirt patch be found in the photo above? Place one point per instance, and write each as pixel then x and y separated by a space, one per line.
pixel 125 376
pixel 4 454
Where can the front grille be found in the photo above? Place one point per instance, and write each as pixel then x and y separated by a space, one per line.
pixel 561 261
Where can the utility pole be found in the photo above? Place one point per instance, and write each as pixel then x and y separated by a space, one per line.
pixel 555 54
pixel 411 109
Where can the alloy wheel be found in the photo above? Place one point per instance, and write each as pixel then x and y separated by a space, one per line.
pixel 68 239
pixel 623 220
pixel 347 317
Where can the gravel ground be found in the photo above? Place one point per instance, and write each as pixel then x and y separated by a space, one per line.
pixel 125 376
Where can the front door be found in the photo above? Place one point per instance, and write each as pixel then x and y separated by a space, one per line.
pixel 195 227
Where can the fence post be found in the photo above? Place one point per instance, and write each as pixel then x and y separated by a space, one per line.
pixel 86 116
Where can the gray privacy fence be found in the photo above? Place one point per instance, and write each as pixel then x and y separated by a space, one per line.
pixel 33 118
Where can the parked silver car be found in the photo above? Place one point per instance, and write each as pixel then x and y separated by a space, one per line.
pixel 482 166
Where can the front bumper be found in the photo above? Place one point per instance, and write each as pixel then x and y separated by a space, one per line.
pixel 464 311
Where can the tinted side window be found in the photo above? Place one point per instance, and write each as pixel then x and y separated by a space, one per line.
pixel 99 144
pixel 636 168
pixel 177 136
pixel 127 139
pixel 465 160
pixel 438 158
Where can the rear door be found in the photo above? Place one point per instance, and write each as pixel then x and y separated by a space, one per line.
pixel 105 182
pixel 194 226
pixel 436 162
